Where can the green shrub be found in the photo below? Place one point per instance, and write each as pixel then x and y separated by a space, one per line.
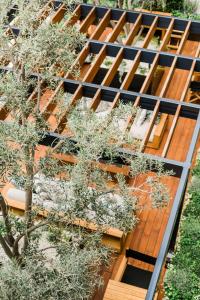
pixel 185 15
pixel 194 208
pixel 180 284
pixel 196 170
pixel 174 5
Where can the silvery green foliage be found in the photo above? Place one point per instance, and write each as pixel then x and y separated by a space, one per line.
pixel 72 274
pixel 38 45
pixel 104 208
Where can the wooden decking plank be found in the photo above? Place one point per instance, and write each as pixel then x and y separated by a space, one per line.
pixel 118 290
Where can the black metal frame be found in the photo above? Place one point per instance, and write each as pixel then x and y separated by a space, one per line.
pixel 169 106
pixel 131 16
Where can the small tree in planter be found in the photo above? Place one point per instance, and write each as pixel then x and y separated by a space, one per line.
pixel 60 259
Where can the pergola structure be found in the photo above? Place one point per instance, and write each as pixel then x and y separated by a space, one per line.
pixel 122 62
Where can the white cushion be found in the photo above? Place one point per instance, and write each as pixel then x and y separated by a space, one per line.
pixel 2 101
pixel 121 124
pixel 11 43
pixel 103 106
pixel 141 125
pixel 138 132
pixel 17 195
pixel 102 114
pixel 84 104
pixel 10 65
pixel 140 117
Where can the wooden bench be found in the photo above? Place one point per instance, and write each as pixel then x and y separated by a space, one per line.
pixel 117 291
pixel 112 237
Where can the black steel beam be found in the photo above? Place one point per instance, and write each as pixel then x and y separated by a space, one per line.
pixel 163 21
pixel 51 139
pixel 193 141
pixel 140 256
pixel 147 55
pixel 169 106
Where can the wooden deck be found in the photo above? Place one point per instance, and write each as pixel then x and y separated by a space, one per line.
pixel 148 234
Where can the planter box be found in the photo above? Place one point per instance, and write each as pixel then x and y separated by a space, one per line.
pixel 112 237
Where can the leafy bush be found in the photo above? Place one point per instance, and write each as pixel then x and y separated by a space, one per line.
pixel 181 284
pixel 172 5
pixel 196 171
pixel 185 15
pixel 72 275
pixel 182 280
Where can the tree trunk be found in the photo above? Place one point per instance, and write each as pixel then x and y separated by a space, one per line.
pixel 5 247
pixel 29 154
pixel 38 94
pixel 120 3
pixel 4 209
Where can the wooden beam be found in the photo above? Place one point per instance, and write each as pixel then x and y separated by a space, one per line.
pixel 150 33
pixel 125 84
pixel 167 36
pixel 116 31
pixel 171 132
pixel 145 86
pixel 113 69
pixel 89 76
pixel 96 100
pixel 187 84
pixel 88 20
pixel 115 101
pixel 101 26
pixel 131 73
pixel 134 30
pixel 169 77
pixel 43 13
pixel 63 119
pixel 85 51
pixel 107 79
pixel 184 37
pixel 59 14
pixel 150 75
pixel 150 127
pixel 80 59
pixel 128 79
pixel 74 18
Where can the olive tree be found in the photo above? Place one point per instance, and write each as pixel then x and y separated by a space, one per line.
pixel 51 253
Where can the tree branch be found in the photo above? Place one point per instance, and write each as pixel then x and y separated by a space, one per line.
pixel 10 239
pixel 47 248
pixel 27 232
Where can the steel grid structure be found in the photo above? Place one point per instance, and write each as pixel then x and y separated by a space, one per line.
pixel 100 18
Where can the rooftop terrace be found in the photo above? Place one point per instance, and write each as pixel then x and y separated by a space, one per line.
pixel 153 62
